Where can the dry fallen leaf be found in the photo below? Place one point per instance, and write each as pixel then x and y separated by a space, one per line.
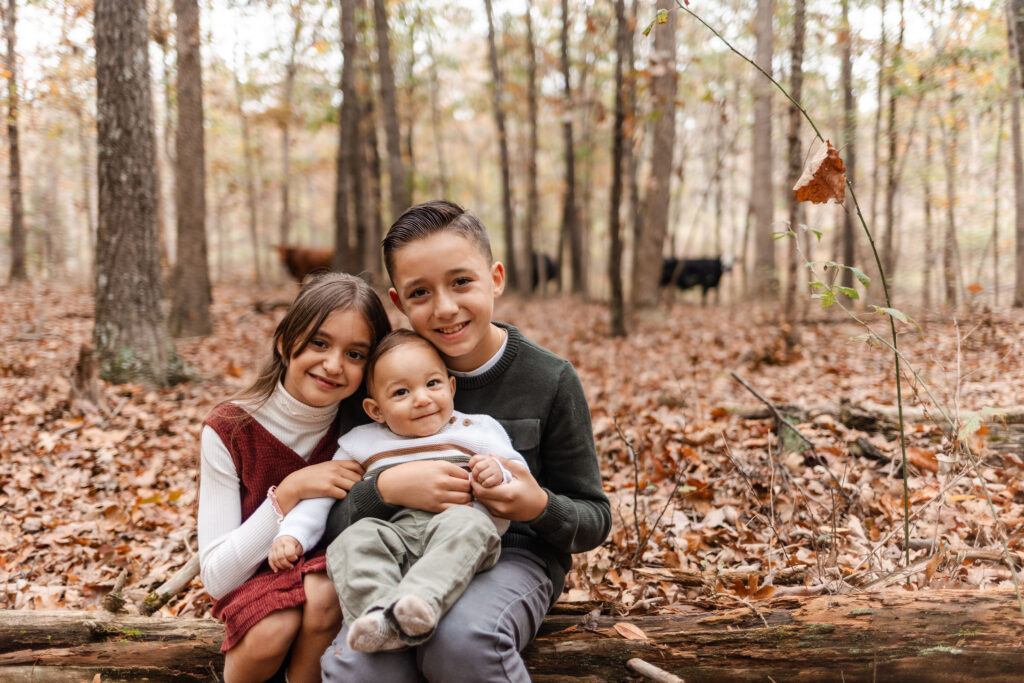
pixel 824 177
pixel 629 631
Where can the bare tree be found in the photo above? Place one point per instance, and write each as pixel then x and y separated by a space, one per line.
pixel 251 197
pixel 796 66
pixel 571 229
pixel 532 193
pixel 849 234
pixel 190 301
pixel 764 279
pixel 891 161
pixel 647 253
pixel 347 189
pixel 18 270
pixel 1015 20
pixel 949 155
pixel 130 333
pixel 618 313
pixel 497 97
pixel 397 183
pixel 284 121
pixel 929 232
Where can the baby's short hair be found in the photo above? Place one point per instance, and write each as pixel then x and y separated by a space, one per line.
pixel 391 341
pixel 423 220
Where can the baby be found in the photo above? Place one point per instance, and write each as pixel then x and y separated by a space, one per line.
pixel 397 578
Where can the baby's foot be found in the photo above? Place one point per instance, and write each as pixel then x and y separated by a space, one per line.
pixel 414 616
pixel 371 633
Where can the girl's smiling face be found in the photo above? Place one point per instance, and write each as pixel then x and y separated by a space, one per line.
pixel 330 367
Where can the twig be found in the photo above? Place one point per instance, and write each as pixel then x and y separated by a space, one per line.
pixel 651 672
pixel 636 481
pixel 748 604
pixel 162 595
pixel 641 546
pixel 781 419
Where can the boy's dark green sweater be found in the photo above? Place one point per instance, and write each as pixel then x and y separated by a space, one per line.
pixel 538 399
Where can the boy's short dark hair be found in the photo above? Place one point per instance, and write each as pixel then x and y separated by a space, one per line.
pixel 423 220
pixel 391 341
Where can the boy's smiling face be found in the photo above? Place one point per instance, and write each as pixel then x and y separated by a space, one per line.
pixel 447 287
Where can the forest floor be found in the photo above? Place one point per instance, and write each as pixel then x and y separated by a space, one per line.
pixel 696 470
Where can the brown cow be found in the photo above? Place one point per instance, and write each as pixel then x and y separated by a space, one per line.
pixel 301 261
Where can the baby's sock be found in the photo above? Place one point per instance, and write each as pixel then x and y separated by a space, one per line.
pixel 414 616
pixel 371 633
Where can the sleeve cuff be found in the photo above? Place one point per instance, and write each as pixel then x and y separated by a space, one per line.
pixel 368 502
pixel 557 515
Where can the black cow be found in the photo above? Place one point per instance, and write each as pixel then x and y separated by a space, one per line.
pixel 543 266
pixel 703 272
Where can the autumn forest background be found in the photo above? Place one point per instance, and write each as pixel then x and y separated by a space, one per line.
pixel 160 151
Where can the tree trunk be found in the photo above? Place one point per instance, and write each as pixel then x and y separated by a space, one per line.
pixel 1015 9
pixel 876 138
pixel 397 182
pixel 618 312
pixel 929 232
pixel 18 270
pixel 190 302
pixel 795 156
pixel 497 99
pixel 949 245
pixel 997 192
pixel 849 234
pixel 129 333
pixel 369 231
pixel 631 157
pixel 284 124
pixel 891 161
pixel 532 193
pixel 86 178
pixel 570 215
pixel 435 122
pixel 764 280
pixel 250 183
pixel 647 254
pixel 931 635
pixel 346 193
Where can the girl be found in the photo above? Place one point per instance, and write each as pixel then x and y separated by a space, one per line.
pixel 265 451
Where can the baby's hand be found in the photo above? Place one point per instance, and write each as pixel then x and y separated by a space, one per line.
pixel 284 553
pixel 487 471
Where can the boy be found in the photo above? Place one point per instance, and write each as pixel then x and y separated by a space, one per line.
pixel 445 280
pixel 396 578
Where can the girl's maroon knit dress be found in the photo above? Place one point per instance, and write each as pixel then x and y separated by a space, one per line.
pixel 262 461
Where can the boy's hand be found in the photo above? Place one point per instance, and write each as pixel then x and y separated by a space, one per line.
pixel 520 500
pixel 284 553
pixel 431 485
pixel 486 470
pixel 331 479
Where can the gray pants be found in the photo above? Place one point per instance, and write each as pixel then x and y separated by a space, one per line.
pixel 375 562
pixel 478 640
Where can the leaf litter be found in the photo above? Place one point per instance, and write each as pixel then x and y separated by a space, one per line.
pixel 711 504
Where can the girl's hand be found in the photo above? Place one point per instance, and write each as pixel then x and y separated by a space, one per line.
pixel 431 485
pixel 331 479
pixel 486 470
pixel 284 553
pixel 520 500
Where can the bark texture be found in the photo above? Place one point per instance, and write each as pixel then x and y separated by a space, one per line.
pixel 497 100
pixel 651 238
pixel 397 181
pixel 934 635
pixel 764 281
pixel 18 270
pixel 130 333
pixel 190 301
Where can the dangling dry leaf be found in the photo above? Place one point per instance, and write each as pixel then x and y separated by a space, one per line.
pixel 764 592
pixel 824 177
pixel 630 632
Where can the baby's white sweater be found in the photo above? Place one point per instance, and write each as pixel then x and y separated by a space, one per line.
pixel 230 550
pixel 375 446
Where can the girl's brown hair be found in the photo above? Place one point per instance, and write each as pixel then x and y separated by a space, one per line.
pixel 319 297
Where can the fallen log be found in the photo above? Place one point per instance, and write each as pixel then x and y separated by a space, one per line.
pixel 933 635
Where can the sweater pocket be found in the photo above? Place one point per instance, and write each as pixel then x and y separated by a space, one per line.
pixel 525 436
